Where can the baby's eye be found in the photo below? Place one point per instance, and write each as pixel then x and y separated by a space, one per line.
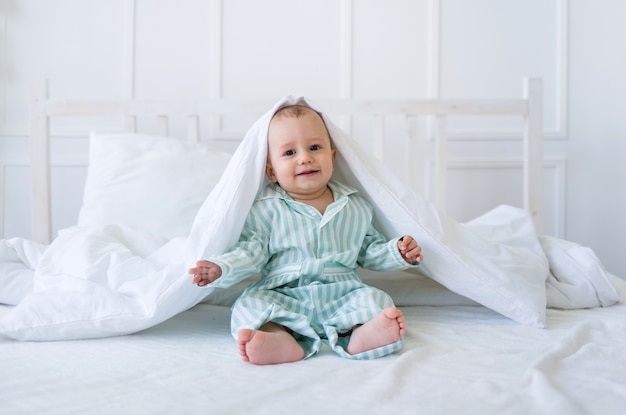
pixel 315 147
pixel 290 153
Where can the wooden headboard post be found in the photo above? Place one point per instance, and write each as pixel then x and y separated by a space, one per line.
pixel 533 151
pixel 40 162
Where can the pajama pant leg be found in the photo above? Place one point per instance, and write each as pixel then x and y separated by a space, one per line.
pixel 315 311
pixel 254 308
pixel 356 307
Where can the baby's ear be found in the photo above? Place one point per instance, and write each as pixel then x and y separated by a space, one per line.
pixel 269 172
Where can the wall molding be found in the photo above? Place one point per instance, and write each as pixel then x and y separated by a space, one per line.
pixel 130 26
pixel 4 64
pixel 559 130
pixel 434 50
pixel 216 62
pixel 2 199
pixel 562 109
pixel 216 45
pixel 346 79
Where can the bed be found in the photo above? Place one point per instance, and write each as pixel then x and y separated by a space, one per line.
pixel 89 335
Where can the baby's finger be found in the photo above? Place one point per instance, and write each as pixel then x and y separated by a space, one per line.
pixel 404 242
pixel 411 245
pixel 203 264
pixel 416 254
pixel 203 280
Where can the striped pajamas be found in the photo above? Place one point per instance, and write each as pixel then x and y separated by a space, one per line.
pixel 307 262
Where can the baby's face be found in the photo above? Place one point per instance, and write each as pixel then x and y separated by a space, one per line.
pixel 300 156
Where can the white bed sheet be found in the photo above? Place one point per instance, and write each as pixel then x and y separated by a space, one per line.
pixel 456 359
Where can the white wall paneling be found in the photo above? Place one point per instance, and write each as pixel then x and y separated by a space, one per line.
pixel 2 197
pixel 129 49
pixel 434 49
pixel 129 59
pixel 4 64
pixel 188 49
pixel 561 110
pixel 488 42
pixel 215 62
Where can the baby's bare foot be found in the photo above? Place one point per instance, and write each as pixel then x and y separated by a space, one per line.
pixel 386 328
pixel 267 348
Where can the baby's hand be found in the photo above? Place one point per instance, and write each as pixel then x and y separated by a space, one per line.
pixel 409 249
pixel 205 272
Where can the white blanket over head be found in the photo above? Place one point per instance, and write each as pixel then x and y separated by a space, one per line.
pixel 113 280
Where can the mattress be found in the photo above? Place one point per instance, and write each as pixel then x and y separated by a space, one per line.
pixel 456 359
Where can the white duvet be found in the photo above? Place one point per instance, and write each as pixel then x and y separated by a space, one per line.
pixel 112 280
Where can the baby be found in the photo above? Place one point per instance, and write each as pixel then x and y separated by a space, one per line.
pixel 306 235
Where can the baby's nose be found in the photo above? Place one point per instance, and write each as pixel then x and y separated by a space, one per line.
pixel 305 157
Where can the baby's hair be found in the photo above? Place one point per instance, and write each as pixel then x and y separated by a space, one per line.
pixel 299 110
pixel 295 111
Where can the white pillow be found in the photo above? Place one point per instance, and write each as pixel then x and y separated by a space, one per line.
pixel 153 184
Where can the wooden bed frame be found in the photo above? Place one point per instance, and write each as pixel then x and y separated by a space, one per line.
pixel 529 107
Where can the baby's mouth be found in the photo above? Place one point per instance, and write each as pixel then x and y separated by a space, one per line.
pixel 307 173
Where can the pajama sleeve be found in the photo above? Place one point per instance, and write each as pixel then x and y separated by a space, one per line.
pixel 378 254
pixel 248 256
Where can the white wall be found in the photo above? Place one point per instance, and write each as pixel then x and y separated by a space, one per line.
pixel 398 48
